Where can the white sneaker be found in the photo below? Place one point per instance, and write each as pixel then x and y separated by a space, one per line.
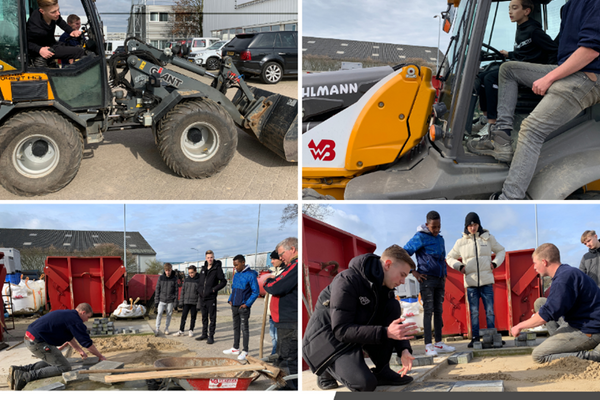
pixel 485 131
pixel 477 126
pixel 242 355
pixel 191 333
pixel 430 350
pixel 232 350
pixel 443 348
pixel 178 333
pixel 166 331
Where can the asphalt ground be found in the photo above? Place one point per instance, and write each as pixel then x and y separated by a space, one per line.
pixel 128 166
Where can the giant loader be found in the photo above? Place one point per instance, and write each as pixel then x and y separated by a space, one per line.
pixel 383 134
pixel 47 114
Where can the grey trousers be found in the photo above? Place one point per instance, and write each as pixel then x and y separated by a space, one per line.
pixel 564 99
pixel 53 362
pixel 161 308
pixel 567 341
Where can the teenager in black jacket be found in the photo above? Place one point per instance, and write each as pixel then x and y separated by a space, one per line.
pixel 356 312
pixel 189 300
pixel 210 282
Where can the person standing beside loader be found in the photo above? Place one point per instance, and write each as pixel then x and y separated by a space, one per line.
pixel 590 262
pixel 211 280
pixel 430 248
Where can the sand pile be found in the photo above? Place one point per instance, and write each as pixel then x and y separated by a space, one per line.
pixel 136 343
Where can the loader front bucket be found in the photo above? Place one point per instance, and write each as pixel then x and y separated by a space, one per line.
pixel 275 124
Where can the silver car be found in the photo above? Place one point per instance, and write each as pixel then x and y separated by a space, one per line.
pixel 211 57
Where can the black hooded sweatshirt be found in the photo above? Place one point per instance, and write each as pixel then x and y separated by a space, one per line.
pixel 533 45
pixel 349 312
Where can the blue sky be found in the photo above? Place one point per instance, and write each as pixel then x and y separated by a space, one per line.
pixel 512 225
pixel 400 21
pixel 171 229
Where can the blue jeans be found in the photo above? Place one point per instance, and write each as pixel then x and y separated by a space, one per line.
pixel 486 293
pixel 562 102
pixel 432 294
pixel 273 333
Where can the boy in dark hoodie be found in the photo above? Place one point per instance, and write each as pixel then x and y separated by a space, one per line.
pixel 356 312
pixel 244 291
pixel 165 297
pixel 430 248
pixel 211 280
pixel 189 299
pixel 532 45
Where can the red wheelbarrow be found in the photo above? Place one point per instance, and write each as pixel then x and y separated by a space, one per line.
pixel 235 380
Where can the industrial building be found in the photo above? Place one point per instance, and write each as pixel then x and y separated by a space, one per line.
pixel 77 241
pixel 222 19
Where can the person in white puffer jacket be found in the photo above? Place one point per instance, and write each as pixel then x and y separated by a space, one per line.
pixel 475 248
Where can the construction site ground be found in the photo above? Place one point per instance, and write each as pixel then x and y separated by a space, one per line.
pixel 143 349
pixel 127 166
pixel 508 369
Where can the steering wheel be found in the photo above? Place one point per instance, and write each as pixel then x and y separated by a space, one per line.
pixel 491 57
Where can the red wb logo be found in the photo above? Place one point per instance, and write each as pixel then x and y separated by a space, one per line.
pixel 324 151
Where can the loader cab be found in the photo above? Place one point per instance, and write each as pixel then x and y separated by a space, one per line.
pixel 78 86
pixel 480 30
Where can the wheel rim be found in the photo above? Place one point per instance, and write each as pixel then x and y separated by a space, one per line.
pixel 200 141
pixel 36 156
pixel 212 64
pixel 273 73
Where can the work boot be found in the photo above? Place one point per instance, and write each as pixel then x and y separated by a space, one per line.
pixel 210 340
pixel 11 378
pixel 326 382
pixel 204 336
pixel 20 380
pixel 387 377
pixel 498 145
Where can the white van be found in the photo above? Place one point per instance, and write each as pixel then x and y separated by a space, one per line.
pixel 199 44
pixel 111 46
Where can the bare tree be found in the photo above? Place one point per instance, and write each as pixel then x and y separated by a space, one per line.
pixel 154 267
pixel 318 211
pixel 188 18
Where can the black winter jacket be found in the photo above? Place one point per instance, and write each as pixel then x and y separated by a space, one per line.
pixel 210 281
pixel 590 264
pixel 346 312
pixel 166 289
pixel 533 45
pixel 40 34
pixel 284 304
pixel 189 290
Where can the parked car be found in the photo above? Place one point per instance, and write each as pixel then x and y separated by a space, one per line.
pixel 269 55
pixel 111 47
pixel 119 50
pixel 211 57
pixel 199 44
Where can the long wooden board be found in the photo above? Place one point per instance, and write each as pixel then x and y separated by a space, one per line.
pixel 182 373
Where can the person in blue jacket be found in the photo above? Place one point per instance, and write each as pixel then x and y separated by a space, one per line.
pixel 430 249
pixel 244 291
pixel 44 336
pixel 573 296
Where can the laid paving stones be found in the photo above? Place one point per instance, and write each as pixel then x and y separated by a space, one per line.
pixel 478 386
pixel 460 358
pixel 420 361
pixel 52 386
pixel 429 387
pixel 104 365
pixel 74 376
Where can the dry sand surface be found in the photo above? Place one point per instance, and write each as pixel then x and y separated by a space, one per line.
pixel 520 373
pixel 137 351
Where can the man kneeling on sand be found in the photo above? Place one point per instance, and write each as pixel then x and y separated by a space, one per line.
pixel 574 296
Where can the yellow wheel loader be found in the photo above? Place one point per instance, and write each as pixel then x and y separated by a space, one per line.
pixel 370 136
pixel 47 114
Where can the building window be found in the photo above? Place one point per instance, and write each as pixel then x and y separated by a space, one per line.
pixel 275 28
pixel 265 29
pixel 27 244
pixel 68 234
pixel 66 244
pixel 154 17
pixel 290 27
pixel 94 236
pixel 133 245
pixel 33 234
pixel 164 17
pixel 153 43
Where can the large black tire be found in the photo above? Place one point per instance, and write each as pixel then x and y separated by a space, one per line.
pixel 213 63
pixel 197 138
pixel 271 73
pixel 41 152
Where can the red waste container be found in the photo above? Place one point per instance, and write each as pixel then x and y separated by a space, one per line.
pixel 142 286
pixel 98 281
pixel 516 288
pixel 2 279
pixel 326 251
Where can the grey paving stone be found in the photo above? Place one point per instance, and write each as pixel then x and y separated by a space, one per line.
pixel 460 358
pixel 487 331
pixel 52 386
pixel 477 345
pixel 104 365
pixel 478 386
pixel 429 387
pixel 420 361
pixel 74 376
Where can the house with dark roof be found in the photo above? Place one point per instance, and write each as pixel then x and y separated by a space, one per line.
pixel 23 239
pixel 353 50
